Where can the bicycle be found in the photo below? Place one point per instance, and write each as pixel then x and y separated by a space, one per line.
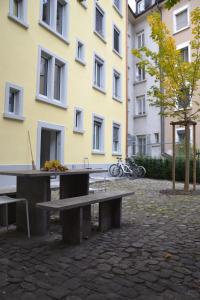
pixel 121 169
pixel 140 170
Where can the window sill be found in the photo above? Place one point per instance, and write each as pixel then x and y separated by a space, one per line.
pixel 181 109
pixel 138 82
pixel 13 117
pixel 117 53
pixel 118 11
pixel 18 21
pixel 182 29
pixel 78 131
pixel 51 102
pixel 96 152
pixel 156 145
pixel 62 38
pixel 116 153
pixel 140 116
pixel 80 61
pixel 99 89
pixel 117 99
pixel 100 36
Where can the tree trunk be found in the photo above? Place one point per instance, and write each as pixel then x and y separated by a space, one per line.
pixel 187 157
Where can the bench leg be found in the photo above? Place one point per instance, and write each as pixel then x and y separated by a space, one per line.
pixel 110 214
pixel 76 224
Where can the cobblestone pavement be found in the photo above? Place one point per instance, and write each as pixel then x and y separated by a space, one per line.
pixel 155 255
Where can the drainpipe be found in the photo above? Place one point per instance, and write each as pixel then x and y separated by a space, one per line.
pixel 126 37
pixel 162 118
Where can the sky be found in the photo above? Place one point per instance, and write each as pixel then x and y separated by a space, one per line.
pixel 132 4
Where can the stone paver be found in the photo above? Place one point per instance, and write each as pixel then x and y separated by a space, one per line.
pixel 155 255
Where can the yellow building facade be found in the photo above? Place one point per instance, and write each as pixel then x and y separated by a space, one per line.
pixel 63 81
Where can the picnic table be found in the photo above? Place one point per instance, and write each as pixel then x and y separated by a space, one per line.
pixel 34 185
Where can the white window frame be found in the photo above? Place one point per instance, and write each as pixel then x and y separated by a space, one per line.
pixel 100 119
pixel 138 137
pixel 178 11
pixel 50 89
pixel 79 129
pixel 52 27
pixel 118 9
pixel 14 115
pixel 21 21
pixel 140 34
pixel 103 35
pixel 143 77
pixel 103 83
pixel 120 40
pixel 82 59
pixel 142 2
pixel 183 129
pixel 141 98
pixel 118 152
pixel 184 45
pixel 118 98
pixel 45 125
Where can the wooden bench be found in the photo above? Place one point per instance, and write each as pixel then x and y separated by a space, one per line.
pixel 76 213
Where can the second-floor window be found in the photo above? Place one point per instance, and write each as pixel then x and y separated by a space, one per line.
pixel 54 15
pixel 181 19
pixel 140 73
pixel 140 105
pixel 116 39
pixel 18 11
pixel 14 102
pixel 116 85
pixel 140 40
pixel 99 76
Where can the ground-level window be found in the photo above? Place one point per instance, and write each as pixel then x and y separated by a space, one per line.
pixel 14 102
pixel 142 144
pixel 98 134
pixel 116 147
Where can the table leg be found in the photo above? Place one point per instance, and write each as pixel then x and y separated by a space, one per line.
pixel 34 189
pixel 110 214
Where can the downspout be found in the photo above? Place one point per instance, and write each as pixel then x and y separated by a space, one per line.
pixel 126 61
pixel 162 118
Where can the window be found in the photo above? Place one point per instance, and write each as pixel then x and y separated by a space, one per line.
pixel 116 85
pixel 142 144
pixel 116 40
pixel 99 21
pixel 140 6
pixel 181 19
pixel 80 52
pixel 140 73
pixel 18 11
pixel 156 135
pixel 116 147
pixel 83 3
pixel 140 39
pixel 180 135
pixel 52 79
pixel 13 102
pixel 140 106
pixel 98 134
pixel 99 73
pixel 78 120
pixel 184 49
pixel 54 15
pixel 118 5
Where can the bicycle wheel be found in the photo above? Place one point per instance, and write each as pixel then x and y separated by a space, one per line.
pixel 141 171
pixel 133 174
pixel 111 169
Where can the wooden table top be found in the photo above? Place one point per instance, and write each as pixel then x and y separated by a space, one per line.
pixel 39 173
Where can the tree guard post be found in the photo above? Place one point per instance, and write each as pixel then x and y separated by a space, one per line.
pixel 194 157
pixel 173 158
